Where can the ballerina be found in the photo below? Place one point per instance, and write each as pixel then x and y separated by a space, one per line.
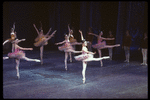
pixel 86 56
pixel 18 54
pixel 13 37
pixel 67 48
pixel 42 40
pixel 73 41
pixel 102 44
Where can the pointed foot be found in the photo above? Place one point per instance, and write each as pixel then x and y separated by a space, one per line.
pixel 66 68
pixel 18 77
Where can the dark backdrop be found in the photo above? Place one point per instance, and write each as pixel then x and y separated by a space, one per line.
pixel 101 16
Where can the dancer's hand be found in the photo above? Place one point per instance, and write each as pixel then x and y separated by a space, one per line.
pixel 138 48
pixel 89 33
pixel 56 43
pixel 80 31
pixel 23 39
pixel 30 48
pixel 34 25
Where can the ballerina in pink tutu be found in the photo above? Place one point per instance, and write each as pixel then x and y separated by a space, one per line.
pixel 102 44
pixel 42 40
pixel 67 48
pixel 86 56
pixel 18 54
pixel 73 41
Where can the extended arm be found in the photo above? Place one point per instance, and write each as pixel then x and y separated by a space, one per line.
pixel 36 29
pixel 93 34
pixel 23 48
pixel 107 38
pixel 21 40
pixel 8 40
pixel 60 42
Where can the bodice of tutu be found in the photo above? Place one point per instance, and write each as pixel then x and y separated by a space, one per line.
pixel 84 49
pixel 66 46
pixel 99 40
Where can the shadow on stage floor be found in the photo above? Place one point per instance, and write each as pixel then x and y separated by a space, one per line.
pixel 115 79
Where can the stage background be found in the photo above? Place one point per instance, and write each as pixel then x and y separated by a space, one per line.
pixel 101 16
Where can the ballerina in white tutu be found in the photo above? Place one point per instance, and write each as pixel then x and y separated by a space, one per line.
pixel 86 56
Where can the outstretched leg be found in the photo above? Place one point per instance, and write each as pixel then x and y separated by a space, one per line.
pixel 29 59
pixel 83 70
pixel 99 51
pixel 5 58
pixel 66 56
pixel 17 67
pixel 41 54
pixel 96 59
pixel 112 46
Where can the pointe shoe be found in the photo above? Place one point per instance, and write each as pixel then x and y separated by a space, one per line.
pixel 18 77
pixel 36 60
pixel 142 64
pixel 106 57
pixel 70 60
pixel 125 61
pixel 83 81
pixel 66 68
pixel 41 62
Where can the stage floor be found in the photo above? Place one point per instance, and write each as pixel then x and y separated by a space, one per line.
pixel 115 79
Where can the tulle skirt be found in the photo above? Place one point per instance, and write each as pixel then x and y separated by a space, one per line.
pixel 83 57
pixel 17 54
pixel 66 47
pixel 99 45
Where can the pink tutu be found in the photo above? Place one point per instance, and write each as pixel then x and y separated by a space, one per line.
pixel 65 47
pixel 99 45
pixel 17 54
pixel 83 57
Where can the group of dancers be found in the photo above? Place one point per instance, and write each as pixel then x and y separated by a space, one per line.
pixel 68 47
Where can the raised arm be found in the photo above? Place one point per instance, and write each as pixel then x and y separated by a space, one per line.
pixel 81 35
pixel 69 29
pixel 36 29
pixel 48 32
pixel 52 34
pixel 14 26
pixel 93 34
